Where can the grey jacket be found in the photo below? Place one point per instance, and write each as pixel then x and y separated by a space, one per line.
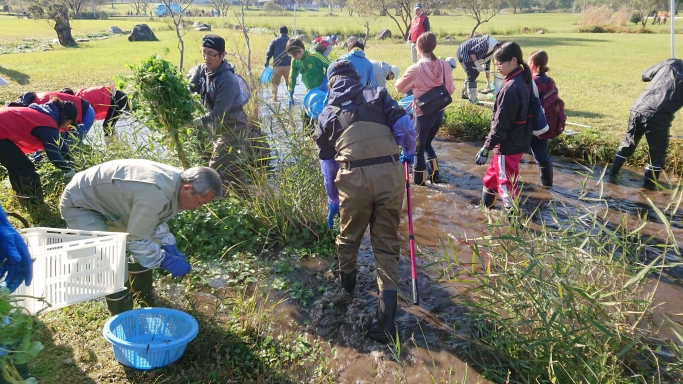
pixel 134 196
pixel 382 70
pixel 220 93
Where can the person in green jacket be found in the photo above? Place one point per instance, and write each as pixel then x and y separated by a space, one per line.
pixel 310 64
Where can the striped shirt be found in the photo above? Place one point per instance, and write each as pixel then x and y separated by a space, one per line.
pixel 478 46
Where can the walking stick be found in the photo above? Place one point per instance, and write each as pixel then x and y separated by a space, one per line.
pixel 411 238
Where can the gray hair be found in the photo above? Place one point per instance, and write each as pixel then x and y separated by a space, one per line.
pixel 203 180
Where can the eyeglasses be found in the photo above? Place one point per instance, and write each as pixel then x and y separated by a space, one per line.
pixel 207 54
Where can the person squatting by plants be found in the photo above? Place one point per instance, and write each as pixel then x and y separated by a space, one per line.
pixel 138 197
pixel 85 115
pixel 472 54
pixel 384 72
pixel 361 129
pixel 427 74
pixel 215 81
pixel 107 102
pixel 418 25
pixel 511 129
pixel 651 115
pixel 25 130
pixel 281 60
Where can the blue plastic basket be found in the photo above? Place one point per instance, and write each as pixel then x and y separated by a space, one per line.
pixel 407 104
pixel 266 75
pixel 149 338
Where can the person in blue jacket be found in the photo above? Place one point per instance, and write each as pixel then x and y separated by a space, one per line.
pixel 356 55
pixel 359 135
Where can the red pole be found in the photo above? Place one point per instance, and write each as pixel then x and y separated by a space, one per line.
pixel 411 238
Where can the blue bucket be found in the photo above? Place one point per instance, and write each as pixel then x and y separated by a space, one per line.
pixel 407 104
pixel 148 338
pixel 314 102
pixel 266 75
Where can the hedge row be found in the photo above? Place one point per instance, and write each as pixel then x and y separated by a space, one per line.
pixel 467 122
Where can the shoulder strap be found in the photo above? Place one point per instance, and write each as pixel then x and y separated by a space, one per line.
pixel 358 100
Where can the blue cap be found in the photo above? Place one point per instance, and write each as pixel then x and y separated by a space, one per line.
pixel 340 66
pixel 418 5
pixel 333 37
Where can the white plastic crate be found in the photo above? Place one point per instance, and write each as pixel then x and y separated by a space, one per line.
pixel 72 266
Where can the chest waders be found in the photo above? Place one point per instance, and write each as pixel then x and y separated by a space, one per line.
pixel 370 183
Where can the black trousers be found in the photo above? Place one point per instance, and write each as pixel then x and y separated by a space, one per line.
pixel 22 173
pixel 656 133
pixel 119 104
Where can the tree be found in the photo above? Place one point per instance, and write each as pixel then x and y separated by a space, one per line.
pixel 75 5
pixel 366 13
pixel 221 6
pixel 645 7
pixel 481 11
pixel 177 18
pixel 57 15
pixel 140 6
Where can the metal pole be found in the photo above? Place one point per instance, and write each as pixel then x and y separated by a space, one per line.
pixel 673 30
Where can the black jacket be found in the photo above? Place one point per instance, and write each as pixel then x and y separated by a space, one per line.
pixel 277 51
pixel 510 125
pixel 663 97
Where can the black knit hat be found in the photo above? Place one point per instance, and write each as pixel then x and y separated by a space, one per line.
pixel 340 67
pixel 214 42
pixel 294 45
pixel 69 111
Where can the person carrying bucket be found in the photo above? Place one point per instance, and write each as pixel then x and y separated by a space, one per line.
pixel 359 133
pixel 281 60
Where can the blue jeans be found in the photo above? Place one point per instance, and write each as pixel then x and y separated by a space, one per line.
pixel 539 148
pixel 427 127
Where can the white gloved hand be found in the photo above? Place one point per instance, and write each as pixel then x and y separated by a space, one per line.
pixel 478 66
pixel 408 43
pixel 69 174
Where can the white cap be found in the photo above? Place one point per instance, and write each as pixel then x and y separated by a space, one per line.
pixel 2 82
pixel 452 62
pixel 395 71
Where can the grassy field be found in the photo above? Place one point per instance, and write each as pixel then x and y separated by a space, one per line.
pixel 598 74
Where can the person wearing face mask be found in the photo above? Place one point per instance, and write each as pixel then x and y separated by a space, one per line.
pixel 225 120
pixel 30 129
pixel 138 197
pixel 511 128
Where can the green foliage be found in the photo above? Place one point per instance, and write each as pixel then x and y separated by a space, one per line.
pixel 164 101
pixel 466 122
pixel 272 9
pixel 16 346
pixel 636 17
pixel 560 304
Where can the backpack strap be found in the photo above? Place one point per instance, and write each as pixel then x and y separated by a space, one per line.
pixel 358 100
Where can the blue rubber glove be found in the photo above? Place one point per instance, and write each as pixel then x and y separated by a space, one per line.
pixel 482 156
pixel 407 159
pixel 172 249
pixel 323 85
pixel 175 265
pixel 15 260
pixel 331 213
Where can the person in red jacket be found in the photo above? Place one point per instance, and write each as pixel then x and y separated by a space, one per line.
pixel 30 129
pixel 418 26
pixel 109 104
pixel 85 114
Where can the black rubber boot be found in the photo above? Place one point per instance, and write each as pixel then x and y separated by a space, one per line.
pixel 433 171
pixel 383 329
pixel 141 281
pixel 616 165
pixel 419 177
pixel 119 302
pixel 546 174
pixel 348 281
pixel 488 197
pixel 651 176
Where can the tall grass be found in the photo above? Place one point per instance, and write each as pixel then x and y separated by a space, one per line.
pixel 559 297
